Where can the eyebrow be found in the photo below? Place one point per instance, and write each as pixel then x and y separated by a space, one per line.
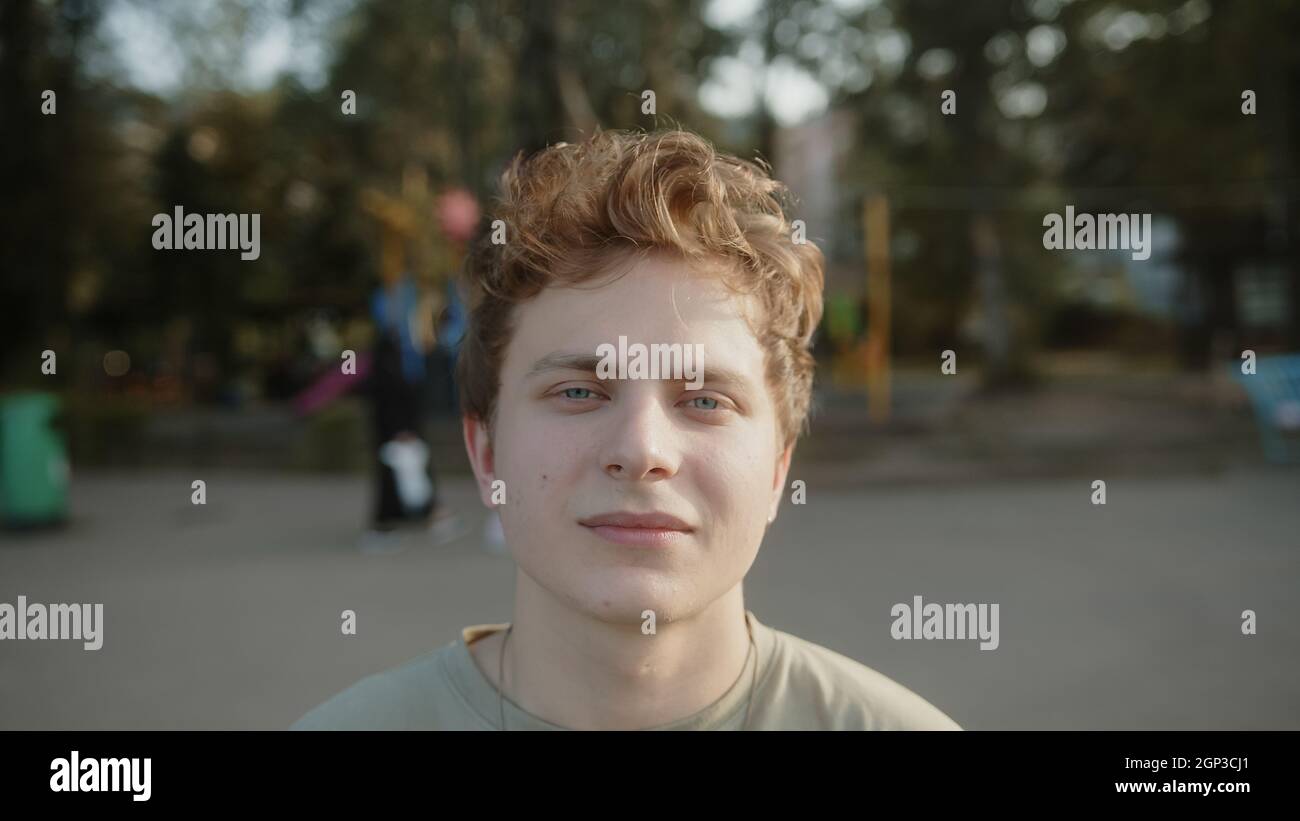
pixel 586 363
pixel 564 362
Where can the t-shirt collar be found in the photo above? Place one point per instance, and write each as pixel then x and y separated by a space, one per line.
pixel 479 694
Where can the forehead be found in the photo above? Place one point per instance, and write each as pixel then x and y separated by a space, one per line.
pixel 655 299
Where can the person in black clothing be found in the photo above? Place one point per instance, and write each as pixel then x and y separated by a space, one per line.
pixel 396 416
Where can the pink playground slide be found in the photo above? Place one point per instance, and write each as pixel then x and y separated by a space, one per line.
pixel 330 386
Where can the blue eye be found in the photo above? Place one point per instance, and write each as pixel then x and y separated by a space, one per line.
pixel 706 399
pixel 568 392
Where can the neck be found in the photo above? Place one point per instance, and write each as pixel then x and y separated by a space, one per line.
pixel 579 672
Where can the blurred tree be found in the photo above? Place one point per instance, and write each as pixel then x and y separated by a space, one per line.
pixel 967 159
pixel 1149 103
pixel 67 210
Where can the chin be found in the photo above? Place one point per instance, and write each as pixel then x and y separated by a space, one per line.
pixel 623 596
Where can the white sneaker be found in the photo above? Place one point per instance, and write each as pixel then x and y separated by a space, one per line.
pixel 447 528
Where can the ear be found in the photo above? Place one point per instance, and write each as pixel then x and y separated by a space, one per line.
pixel 778 480
pixel 478 444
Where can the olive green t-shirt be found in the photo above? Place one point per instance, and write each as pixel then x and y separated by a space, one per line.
pixel 799 686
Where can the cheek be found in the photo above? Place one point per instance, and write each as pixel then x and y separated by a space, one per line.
pixel 736 481
pixel 536 465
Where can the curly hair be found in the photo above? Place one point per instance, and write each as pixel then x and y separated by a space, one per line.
pixel 571 210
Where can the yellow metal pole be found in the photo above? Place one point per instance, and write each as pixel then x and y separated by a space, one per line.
pixel 875 224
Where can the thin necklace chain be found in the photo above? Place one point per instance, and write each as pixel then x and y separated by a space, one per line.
pixel 501 679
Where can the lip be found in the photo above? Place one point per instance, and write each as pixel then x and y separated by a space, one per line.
pixel 640 529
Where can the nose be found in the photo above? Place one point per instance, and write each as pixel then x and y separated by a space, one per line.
pixel 641 442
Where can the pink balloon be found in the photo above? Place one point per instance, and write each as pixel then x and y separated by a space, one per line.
pixel 458 214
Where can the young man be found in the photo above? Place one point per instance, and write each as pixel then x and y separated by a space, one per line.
pixel 634 499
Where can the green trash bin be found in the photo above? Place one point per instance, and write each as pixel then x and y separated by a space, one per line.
pixel 33 461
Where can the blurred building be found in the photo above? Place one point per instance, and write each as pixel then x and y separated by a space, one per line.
pixel 810 160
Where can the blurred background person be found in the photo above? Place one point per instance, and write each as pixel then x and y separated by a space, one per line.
pixel 404 314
